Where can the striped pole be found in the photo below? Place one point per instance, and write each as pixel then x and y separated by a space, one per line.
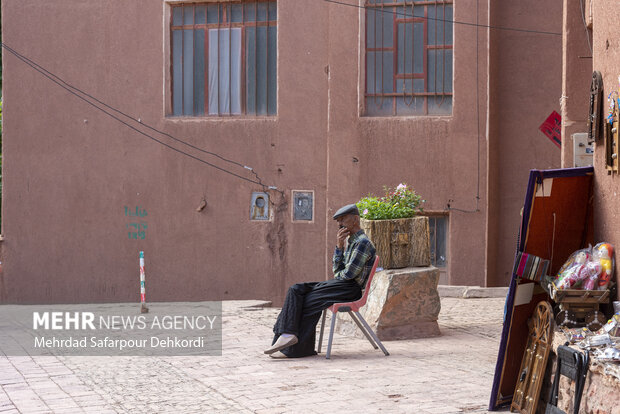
pixel 143 308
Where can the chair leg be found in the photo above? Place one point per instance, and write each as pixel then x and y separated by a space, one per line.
pixel 372 333
pixel 331 336
pixel 359 325
pixel 318 350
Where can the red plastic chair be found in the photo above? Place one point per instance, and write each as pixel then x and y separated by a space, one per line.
pixel 352 308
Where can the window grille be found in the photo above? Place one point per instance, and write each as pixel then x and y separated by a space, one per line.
pixel 408 57
pixel 224 58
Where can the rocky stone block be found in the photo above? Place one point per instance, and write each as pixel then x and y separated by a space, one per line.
pixel 402 304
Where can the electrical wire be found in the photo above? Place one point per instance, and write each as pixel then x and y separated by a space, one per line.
pixel 78 93
pixel 82 95
pixel 585 25
pixel 512 29
pixel 477 103
pixel 477 25
pixel 477 209
pixel 121 112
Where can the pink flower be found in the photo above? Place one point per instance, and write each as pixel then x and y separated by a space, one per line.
pixel 365 212
pixel 401 186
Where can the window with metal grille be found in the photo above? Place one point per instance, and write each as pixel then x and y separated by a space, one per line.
pixel 408 57
pixel 224 58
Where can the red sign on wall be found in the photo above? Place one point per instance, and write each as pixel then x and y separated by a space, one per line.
pixel 552 128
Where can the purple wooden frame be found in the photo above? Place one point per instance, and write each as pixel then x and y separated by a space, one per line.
pixel 535 176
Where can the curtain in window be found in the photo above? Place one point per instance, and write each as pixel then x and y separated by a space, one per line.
pixel 224 71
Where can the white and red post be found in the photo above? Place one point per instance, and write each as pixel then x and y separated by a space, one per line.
pixel 143 308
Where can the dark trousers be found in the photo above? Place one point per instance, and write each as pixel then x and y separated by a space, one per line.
pixel 302 309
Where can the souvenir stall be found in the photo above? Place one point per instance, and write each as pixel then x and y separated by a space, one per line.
pixel 557 224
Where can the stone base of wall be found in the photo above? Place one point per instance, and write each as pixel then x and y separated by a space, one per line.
pixel 402 304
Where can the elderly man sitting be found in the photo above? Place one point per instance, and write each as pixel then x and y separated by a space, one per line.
pixel 295 328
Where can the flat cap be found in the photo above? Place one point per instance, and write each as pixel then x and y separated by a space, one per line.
pixel 348 209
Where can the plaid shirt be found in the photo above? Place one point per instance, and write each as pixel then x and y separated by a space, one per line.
pixel 356 261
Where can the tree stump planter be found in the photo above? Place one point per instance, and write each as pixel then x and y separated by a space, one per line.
pixel 400 242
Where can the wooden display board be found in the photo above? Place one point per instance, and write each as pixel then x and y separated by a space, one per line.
pixel 556 221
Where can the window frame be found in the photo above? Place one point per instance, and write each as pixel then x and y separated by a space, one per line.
pixel 226 24
pixel 443 270
pixel 397 19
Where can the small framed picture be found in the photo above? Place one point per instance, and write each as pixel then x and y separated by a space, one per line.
pixel 303 205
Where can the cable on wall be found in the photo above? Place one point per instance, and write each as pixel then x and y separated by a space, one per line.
pixel 84 96
pixel 513 29
pixel 477 209
pixel 585 25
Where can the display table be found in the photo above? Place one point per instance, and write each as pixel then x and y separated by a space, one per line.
pixel 402 304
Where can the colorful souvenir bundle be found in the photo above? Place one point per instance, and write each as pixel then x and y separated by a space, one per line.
pixel 587 269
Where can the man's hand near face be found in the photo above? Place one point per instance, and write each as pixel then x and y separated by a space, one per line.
pixel 341 237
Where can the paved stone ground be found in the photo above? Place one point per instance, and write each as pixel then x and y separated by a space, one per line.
pixel 442 375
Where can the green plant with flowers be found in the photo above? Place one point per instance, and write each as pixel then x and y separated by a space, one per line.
pixel 401 202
